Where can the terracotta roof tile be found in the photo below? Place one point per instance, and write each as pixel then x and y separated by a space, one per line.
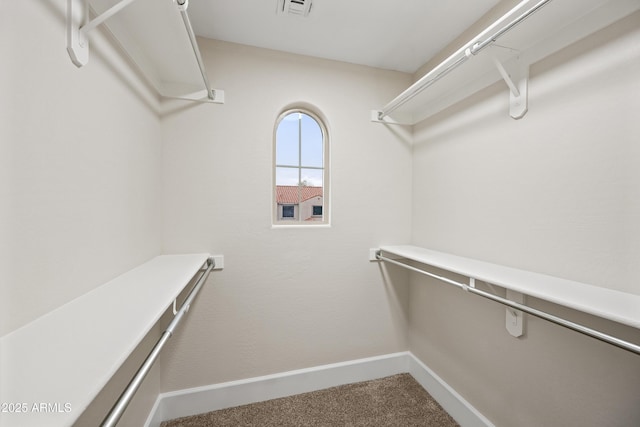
pixel 288 194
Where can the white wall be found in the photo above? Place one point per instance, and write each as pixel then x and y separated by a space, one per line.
pixel 288 298
pixel 556 193
pixel 83 147
pixel 80 158
pixel 82 170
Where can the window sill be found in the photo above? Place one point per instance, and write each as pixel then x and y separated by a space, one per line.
pixel 276 226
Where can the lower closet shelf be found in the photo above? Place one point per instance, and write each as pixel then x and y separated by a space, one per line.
pixel 53 367
pixel 618 306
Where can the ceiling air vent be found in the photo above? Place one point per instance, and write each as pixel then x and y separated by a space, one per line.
pixel 294 7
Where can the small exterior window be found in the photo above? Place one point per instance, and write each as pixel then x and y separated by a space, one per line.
pixel 288 211
pixel 300 169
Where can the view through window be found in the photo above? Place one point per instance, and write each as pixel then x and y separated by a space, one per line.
pixel 300 173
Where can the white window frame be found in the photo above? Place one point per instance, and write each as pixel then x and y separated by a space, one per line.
pixel 300 222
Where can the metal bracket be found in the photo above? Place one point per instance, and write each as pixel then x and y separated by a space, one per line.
pixel 182 4
pixel 472 284
pixel 516 76
pixel 515 318
pixel 77 41
pixel 376 117
pixel 218 262
pixel 79 26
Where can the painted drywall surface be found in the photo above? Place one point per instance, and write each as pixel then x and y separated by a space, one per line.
pixel 84 153
pixel 5 178
pixel 81 154
pixel 555 193
pixel 287 298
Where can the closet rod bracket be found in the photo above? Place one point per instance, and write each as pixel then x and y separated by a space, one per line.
pixel 183 5
pixel 79 26
pixel 378 116
pixel 514 319
pixel 516 76
pixel 472 284
pixel 77 41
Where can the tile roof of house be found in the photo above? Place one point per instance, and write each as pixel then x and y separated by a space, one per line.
pixel 288 194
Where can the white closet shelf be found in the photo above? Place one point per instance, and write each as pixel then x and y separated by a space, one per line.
pixel 155 34
pixel 555 25
pixel 64 358
pixel 606 303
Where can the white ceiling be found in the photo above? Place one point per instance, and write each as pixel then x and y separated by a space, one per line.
pixel 389 34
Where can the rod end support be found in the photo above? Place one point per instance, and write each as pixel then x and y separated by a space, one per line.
pixel 218 262
pixel 183 5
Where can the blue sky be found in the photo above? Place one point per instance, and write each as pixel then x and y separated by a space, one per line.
pixel 288 152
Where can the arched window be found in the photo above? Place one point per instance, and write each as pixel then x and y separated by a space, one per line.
pixel 301 192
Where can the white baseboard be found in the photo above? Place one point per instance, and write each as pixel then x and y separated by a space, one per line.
pixel 452 402
pixel 198 400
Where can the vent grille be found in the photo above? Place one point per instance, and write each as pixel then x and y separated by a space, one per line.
pixel 294 7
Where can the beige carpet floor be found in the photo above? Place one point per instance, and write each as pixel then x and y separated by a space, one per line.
pixel 397 400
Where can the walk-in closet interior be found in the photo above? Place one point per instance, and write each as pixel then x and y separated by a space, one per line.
pixel 206 204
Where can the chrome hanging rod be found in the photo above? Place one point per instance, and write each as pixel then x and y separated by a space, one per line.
pixel 182 6
pixel 461 55
pixel 601 336
pixel 125 398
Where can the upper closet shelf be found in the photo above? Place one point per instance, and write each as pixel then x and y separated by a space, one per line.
pixel 63 359
pixel 155 34
pixel 528 33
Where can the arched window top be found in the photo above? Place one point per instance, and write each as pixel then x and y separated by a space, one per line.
pixel 300 169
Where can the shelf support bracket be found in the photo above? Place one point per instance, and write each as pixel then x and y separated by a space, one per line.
pixel 515 318
pixel 516 76
pixel 79 26
pixel 376 116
